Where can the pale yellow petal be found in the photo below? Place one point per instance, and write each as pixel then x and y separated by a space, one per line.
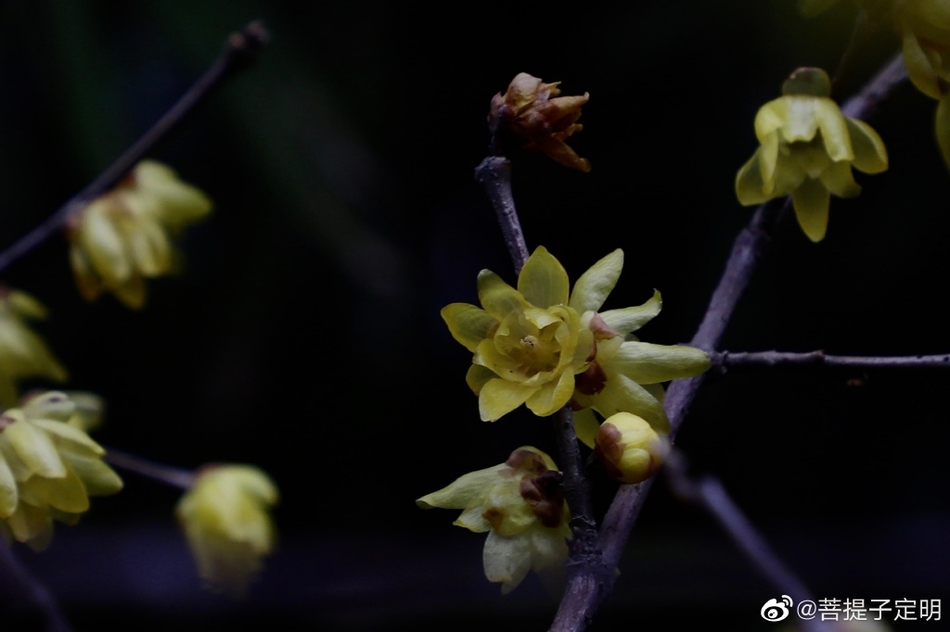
pixel 593 287
pixel 543 281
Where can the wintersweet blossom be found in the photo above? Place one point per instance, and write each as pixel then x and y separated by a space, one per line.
pixel 124 236
pixel 225 516
pixel 629 449
pixel 48 469
pixel 532 112
pixel 807 150
pixel 23 354
pixel 521 505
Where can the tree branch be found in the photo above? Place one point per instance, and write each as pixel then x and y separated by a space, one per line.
pixel 726 360
pixel 23 593
pixel 172 476
pixel 748 249
pixel 240 51
pixel 494 174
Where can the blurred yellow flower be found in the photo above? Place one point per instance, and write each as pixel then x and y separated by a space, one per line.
pixel 23 354
pixel 225 516
pixel 48 469
pixel 521 505
pixel 629 449
pixel 807 150
pixel 124 236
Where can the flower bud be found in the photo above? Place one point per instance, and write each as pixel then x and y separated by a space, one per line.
pixel 629 449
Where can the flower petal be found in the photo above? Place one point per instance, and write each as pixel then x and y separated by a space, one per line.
pixel 586 426
pixel 838 179
pixel 647 363
pixel 920 67
pixel 506 560
pixel 8 490
pixel 499 397
pixel 463 491
pixel 468 324
pixel 870 155
pixel 621 394
pixel 627 320
pixel 497 297
pixel 811 208
pixel 834 129
pixel 33 446
pixel 543 280
pixel 552 397
pixel 477 376
pixel 593 287
pixel 750 188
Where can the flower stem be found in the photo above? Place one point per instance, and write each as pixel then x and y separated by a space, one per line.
pixel 494 174
pixel 172 476
pixel 240 51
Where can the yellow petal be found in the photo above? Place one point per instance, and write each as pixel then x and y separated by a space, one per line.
pixel 870 155
pixel 543 281
pixel 750 187
pixel 469 325
pixel 811 201
pixel 497 297
pixel 586 426
pixel 499 397
pixel 33 446
pixel 593 287
pixel 834 130
pixel 630 319
pixel 553 396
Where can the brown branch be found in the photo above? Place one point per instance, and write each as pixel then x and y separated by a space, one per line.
pixel 494 174
pixel 748 249
pixel 726 360
pixel 240 51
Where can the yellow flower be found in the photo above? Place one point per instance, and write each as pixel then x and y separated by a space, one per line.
pixel 226 519
pixel 48 469
pixel 532 112
pixel 625 374
pixel 629 449
pixel 528 343
pixel 807 150
pixel 521 506
pixel 23 354
pixel 124 236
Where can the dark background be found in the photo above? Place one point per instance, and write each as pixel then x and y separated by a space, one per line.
pixel 305 338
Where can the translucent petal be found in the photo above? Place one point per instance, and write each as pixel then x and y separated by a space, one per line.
pixel 543 281
pixel 750 188
pixel 834 130
pixel 473 519
pixel 131 292
pixel 32 526
pixel 768 154
pixel 621 394
pixel 102 243
pixel 647 363
pixel 586 426
pixel 466 490
pixel 497 297
pixel 66 493
pixel 87 280
pixel 70 438
pixel 771 117
pixel 839 180
pixel 553 396
pixel 811 201
pixel 50 405
pixel 499 397
pixel 34 447
pixel 26 305
pixel 477 376
pixel 801 124
pixel 920 67
pixel 468 324
pixel 630 319
pixel 506 560
pixel 593 287
pixel 150 247
pixel 98 478
pixel 870 155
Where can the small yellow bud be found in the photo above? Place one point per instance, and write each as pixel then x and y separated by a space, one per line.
pixel 532 112
pixel 226 519
pixel 629 449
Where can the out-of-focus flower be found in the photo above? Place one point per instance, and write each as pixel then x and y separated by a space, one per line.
pixel 532 112
pixel 807 150
pixel 23 354
pixel 124 236
pixel 528 343
pixel 48 469
pixel 521 506
pixel 226 518
pixel 629 449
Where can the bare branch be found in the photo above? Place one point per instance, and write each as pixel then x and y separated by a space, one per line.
pixel 240 51
pixel 26 594
pixel 494 173
pixel 726 360
pixel 173 476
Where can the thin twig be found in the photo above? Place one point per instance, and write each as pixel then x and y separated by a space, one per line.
pixel 728 360
pixel 748 249
pixel 586 565
pixel 24 593
pixel 240 51
pixel 710 494
pixel 173 476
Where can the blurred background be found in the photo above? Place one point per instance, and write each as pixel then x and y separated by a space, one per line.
pixel 305 337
